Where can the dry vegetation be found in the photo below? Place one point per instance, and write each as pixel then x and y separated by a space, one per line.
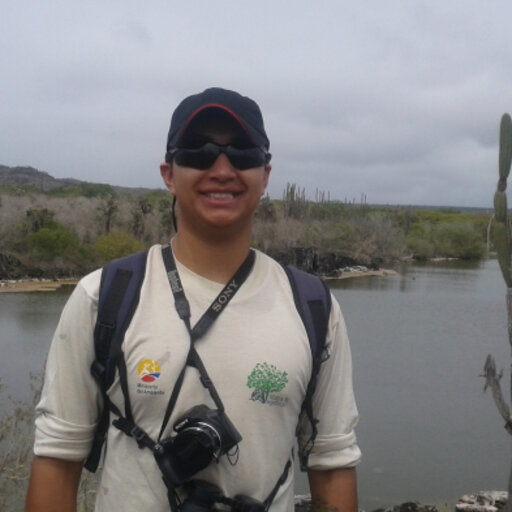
pixel 16 441
pixel 62 232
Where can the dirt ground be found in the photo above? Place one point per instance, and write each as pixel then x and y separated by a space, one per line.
pixel 33 286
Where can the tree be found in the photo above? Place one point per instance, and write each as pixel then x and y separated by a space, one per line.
pixel 139 212
pixel 165 211
pixel 36 219
pixel 266 379
pixel 108 208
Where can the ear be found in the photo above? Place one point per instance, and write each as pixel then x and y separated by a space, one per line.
pixel 167 174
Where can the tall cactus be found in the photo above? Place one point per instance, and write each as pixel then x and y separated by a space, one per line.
pixel 502 240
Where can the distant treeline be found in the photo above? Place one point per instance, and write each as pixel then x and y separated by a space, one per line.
pixel 72 229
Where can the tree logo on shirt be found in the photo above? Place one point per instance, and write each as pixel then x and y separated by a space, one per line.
pixel 266 379
pixel 148 370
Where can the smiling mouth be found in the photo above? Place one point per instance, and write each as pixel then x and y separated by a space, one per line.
pixel 218 195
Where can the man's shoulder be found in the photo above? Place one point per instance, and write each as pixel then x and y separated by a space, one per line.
pixel 267 267
pixel 264 259
pixel 90 284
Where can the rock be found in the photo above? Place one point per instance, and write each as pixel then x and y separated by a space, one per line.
pixel 306 258
pixel 483 501
pixel 311 260
pixel 11 267
pixel 409 506
pixel 303 504
pixel 330 264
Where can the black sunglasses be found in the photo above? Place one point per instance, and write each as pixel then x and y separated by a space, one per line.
pixel 204 157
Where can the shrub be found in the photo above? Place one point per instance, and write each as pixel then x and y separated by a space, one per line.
pixel 16 450
pixel 51 243
pixel 459 241
pixel 454 240
pixel 421 248
pixel 116 245
pixel 16 441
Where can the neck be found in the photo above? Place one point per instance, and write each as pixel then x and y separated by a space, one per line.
pixel 215 260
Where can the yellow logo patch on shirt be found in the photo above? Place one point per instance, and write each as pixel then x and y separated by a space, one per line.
pixel 148 370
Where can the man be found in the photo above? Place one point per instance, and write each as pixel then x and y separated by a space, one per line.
pixel 217 168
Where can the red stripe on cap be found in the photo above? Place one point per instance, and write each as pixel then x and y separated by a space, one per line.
pixel 214 105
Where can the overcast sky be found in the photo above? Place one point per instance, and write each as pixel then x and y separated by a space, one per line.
pixel 399 100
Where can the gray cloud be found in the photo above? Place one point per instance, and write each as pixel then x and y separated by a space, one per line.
pixel 399 100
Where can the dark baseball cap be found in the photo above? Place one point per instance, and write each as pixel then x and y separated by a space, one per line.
pixel 243 109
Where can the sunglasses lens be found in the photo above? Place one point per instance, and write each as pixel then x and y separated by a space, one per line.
pixel 203 158
pixel 244 159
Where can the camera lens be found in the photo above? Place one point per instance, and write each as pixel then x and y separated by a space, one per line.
pixel 202 436
pixel 196 446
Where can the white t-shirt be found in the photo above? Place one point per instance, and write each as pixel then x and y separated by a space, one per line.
pixel 258 356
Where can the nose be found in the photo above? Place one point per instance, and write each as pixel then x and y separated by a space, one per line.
pixel 222 169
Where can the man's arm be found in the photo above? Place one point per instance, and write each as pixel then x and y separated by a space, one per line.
pixel 333 490
pixel 53 485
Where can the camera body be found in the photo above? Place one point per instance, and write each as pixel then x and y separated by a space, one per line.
pixel 202 435
pixel 203 497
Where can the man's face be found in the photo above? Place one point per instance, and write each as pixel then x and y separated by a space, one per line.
pixel 221 198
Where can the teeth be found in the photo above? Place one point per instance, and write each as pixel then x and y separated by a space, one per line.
pixel 221 196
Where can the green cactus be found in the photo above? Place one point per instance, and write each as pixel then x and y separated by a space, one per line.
pixel 505 146
pixel 502 240
pixel 502 237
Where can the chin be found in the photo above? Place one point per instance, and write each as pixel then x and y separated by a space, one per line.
pixel 229 225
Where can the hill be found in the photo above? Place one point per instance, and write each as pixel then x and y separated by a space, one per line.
pixel 41 180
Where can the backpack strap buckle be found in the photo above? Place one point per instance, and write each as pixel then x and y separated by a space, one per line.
pixel 133 430
pixel 98 370
pixel 138 434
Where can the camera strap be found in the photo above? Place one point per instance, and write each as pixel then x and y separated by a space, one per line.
pixel 203 324
pixel 127 423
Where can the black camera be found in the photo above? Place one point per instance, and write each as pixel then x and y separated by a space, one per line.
pixel 203 496
pixel 202 435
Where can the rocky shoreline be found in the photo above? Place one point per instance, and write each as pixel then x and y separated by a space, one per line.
pixel 327 265
pixel 50 285
pixel 483 501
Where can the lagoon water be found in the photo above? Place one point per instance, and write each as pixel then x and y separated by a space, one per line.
pixel 419 342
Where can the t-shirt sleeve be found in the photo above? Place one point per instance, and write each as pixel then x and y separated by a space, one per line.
pixel 334 404
pixel 67 413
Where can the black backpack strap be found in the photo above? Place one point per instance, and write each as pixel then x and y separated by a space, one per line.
pixel 121 281
pixel 313 302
